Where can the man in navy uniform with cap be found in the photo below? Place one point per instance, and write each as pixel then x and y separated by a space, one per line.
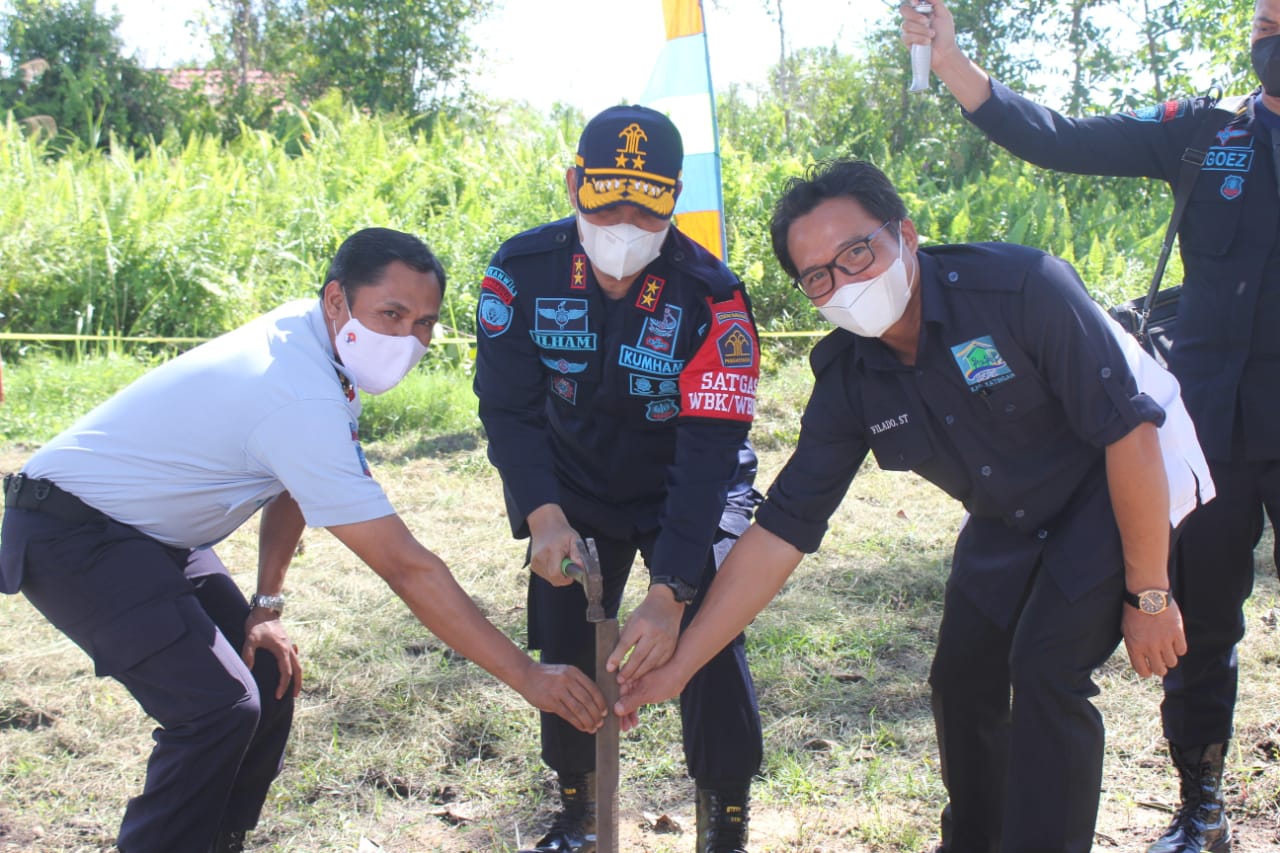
pixel 616 368
pixel 1226 354
pixel 987 370
pixel 108 532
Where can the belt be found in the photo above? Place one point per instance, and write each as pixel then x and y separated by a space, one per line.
pixel 23 492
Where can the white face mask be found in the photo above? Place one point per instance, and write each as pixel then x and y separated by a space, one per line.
pixel 622 250
pixel 376 361
pixel 869 308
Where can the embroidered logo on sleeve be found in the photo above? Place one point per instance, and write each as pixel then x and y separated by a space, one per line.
pixel 494 312
pixel 981 363
pixel 355 440
pixel 720 381
pixel 1158 113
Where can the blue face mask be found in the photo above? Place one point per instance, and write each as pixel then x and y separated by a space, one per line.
pixel 1265 54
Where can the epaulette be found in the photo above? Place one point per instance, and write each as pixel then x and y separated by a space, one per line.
pixel 965 265
pixel 700 264
pixel 535 241
pixel 829 348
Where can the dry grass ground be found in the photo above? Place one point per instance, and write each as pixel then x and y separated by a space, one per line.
pixel 401 746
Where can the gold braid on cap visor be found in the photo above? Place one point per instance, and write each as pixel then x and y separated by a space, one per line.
pixel 601 188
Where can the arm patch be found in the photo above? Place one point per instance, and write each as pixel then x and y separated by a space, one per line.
pixel 720 380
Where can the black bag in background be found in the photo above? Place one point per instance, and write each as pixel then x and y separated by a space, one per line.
pixel 1153 318
pixel 1157 334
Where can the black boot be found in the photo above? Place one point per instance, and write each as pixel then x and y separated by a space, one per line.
pixel 229 841
pixel 1200 823
pixel 722 819
pixel 573 830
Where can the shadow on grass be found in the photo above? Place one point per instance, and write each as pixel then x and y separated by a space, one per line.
pixel 396 451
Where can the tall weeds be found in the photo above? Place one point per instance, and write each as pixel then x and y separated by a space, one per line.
pixel 192 238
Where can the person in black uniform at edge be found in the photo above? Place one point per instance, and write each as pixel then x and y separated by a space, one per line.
pixel 987 370
pixel 1226 356
pixel 616 370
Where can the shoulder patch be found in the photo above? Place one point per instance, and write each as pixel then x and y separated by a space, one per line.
pixel 720 380
pixel 1159 113
pixel 828 350
pixel 494 311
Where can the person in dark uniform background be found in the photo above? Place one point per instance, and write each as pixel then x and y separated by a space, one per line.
pixel 108 532
pixel 986 369
pixel 616 370
pixel 1226 355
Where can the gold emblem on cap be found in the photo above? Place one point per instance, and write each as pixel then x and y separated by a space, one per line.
pixel 631 136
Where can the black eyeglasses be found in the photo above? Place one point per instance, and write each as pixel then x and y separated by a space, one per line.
pixel 854 259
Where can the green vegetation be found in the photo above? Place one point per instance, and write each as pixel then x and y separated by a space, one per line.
pixel 399 741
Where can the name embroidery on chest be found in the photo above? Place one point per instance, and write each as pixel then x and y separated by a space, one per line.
pixel 889 423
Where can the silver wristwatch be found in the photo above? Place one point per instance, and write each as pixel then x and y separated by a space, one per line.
pixel 270 602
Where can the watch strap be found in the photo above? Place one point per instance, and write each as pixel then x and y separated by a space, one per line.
pixel 270 602
pixel 683 590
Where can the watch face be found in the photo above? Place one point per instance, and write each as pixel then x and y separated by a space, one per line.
pixel 1153 601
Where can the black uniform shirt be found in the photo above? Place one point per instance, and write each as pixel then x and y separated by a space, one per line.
pixel 1227 351
pixel 632 414
pixel 1017 389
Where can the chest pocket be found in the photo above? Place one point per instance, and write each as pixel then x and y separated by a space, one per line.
pixel 1213 212
pixel 1018 412
pixel 895 431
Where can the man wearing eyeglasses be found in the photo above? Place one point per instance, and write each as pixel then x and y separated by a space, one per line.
pixel 986 369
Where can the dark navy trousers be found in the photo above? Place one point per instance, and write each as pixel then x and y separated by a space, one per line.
pixel 723 742
pixel 1021 744
pixel 1212 578
pixel 168 624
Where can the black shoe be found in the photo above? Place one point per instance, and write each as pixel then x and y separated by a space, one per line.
pixel 722 819
pixel 573 830
pixel 1200 823
pixel 229 841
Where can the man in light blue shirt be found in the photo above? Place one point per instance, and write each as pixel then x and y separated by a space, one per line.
pixel 107 531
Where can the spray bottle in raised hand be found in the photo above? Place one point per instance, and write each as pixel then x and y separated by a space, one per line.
pixel 921 56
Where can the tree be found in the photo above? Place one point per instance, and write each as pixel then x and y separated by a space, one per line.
pixel 67 64
pixel 383 55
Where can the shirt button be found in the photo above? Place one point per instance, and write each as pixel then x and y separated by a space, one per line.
pixel 950 419
pixel 985 470
pixel 1106 373
pixel 1042 534
pixel 1019 513
pixel 1009 408
pixel 678 257
pixel 562 237
pixel 919 372
pixel 953 276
